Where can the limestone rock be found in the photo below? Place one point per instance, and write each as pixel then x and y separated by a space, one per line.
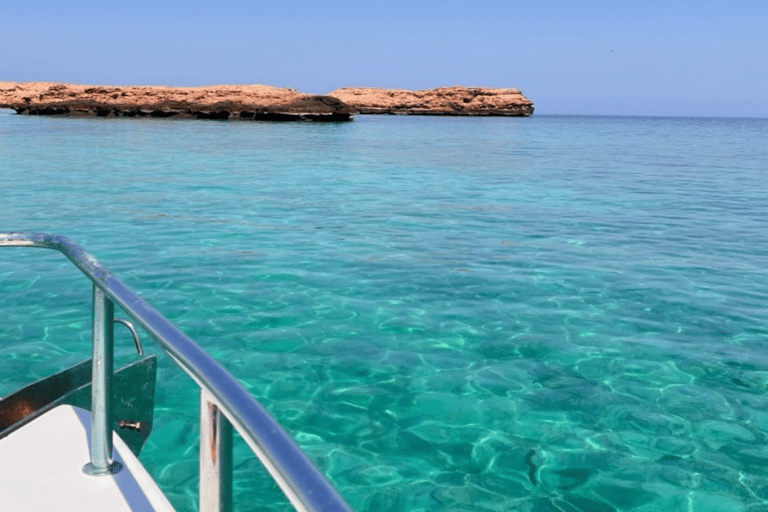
pixel 446 101
pixel 260 102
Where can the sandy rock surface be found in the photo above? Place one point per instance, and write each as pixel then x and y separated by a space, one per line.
pixel 256 101
pixel 214 102
pixel 38 92
pixel 456 101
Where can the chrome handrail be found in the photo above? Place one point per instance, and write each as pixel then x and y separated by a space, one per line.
pixel 224 402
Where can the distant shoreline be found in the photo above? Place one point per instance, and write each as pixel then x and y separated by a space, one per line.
pixel 255 102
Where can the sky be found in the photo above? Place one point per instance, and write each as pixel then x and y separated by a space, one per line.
pixel 657 57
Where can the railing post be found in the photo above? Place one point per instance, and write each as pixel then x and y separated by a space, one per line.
pixel 215 457
pixel 101 386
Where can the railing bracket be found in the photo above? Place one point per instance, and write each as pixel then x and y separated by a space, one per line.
pixel 136 340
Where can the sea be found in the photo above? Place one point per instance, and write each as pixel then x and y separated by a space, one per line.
pixel 544 314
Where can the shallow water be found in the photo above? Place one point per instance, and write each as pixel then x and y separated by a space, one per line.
pixel 542 314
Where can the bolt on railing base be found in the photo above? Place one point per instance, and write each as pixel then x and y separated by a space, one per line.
pixel 111 469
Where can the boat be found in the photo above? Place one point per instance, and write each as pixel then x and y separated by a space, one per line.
pixel 70 441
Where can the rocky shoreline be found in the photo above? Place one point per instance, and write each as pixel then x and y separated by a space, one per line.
pixel 443 101
pixel 247 102
pixel 255 102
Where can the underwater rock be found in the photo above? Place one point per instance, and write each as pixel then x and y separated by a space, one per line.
pixel 570 503
pixel 532 468
pixel 564 479
pixel 625 497
pixel 716 434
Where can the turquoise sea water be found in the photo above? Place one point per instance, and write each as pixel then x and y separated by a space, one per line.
pixel 543 314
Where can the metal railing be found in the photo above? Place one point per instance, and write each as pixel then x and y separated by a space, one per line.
pixel 224 403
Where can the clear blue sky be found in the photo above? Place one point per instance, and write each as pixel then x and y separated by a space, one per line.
pixel 570 57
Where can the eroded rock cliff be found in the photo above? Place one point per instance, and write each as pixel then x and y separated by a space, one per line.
pixel 260 102
pixel 446 101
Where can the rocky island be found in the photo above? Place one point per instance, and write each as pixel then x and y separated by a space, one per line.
pixel 246 102
pixel 255 102
pixel 443 101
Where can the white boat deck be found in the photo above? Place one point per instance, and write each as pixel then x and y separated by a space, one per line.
pixel 41 469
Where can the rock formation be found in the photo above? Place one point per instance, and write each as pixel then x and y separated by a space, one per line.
pixel 443 101
pixel 259 102
pixel 248 102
